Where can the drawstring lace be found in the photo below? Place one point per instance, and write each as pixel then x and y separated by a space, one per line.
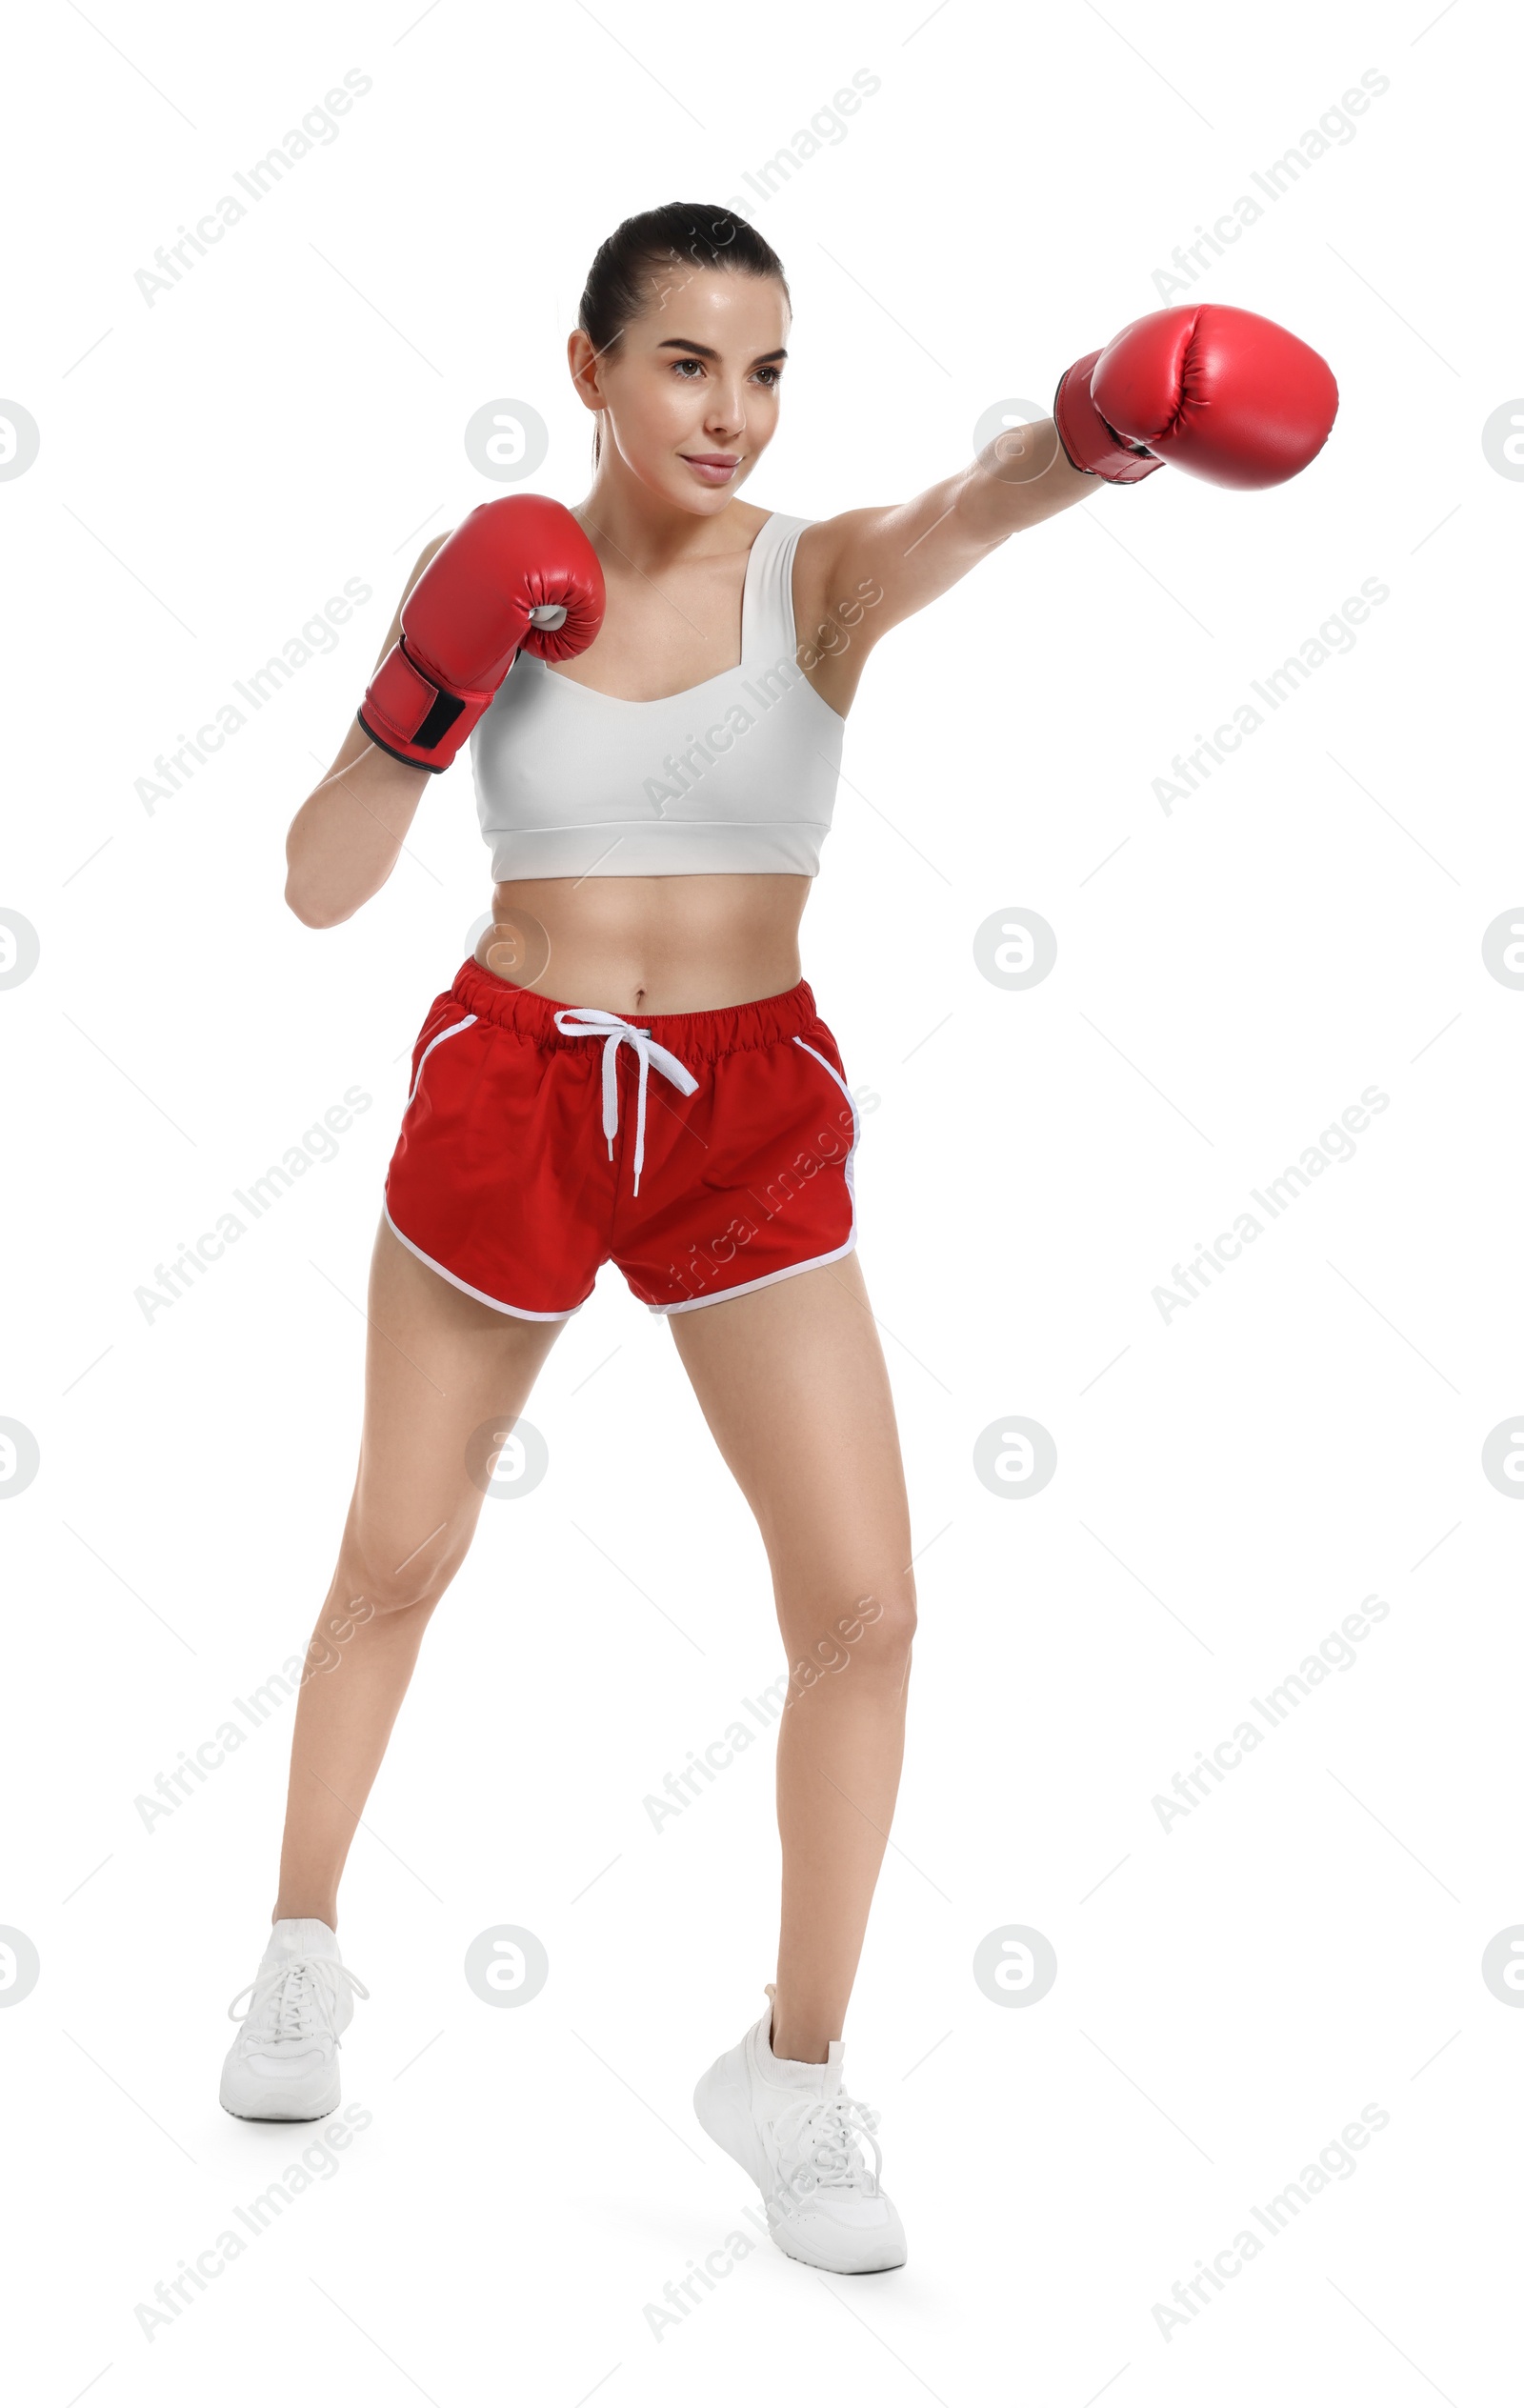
pixel 575 1021
pixel 822 2134
pixel 284 2002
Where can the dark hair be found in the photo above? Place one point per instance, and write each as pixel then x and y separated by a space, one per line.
pixel 644 258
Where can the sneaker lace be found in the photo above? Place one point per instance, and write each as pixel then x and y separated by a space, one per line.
pixel 820 2135
pixel 283 2001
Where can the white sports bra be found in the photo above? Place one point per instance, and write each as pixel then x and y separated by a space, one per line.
pixel 738 774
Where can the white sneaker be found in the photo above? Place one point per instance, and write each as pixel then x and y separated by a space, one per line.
pixel 795 2131
pixel 282 2067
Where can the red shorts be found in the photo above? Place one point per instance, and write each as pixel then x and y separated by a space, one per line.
pixel 705 1153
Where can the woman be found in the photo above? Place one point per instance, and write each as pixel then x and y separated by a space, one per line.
pixel 633 1068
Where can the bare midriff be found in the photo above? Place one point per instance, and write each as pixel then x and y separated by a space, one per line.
pixel 631 945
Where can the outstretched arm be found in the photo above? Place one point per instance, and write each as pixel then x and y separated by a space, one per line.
pixel 895 559
pixel 1223 393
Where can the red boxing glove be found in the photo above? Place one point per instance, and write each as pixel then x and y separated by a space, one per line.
pixel 1222 393
pixel 518 574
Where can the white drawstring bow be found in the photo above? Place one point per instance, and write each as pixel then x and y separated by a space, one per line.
pixel 616 1032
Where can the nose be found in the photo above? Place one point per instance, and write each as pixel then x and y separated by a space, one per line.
pixel 726 417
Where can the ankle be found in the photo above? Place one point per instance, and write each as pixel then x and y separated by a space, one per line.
pixel 306 1910
pixel 797 2042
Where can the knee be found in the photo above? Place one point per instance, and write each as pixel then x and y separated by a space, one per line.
pixel 369 1590
pixel 871 1640
pixel 888 1619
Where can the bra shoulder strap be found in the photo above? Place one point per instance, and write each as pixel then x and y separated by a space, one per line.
pixel 770 635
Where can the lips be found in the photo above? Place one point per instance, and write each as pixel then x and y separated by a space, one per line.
pixel 711 467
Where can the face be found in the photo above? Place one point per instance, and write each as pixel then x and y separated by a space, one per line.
pixel 690 391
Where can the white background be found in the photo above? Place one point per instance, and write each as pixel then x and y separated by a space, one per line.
pixel 1231 1482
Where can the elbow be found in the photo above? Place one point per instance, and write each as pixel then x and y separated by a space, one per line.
pixel 310 910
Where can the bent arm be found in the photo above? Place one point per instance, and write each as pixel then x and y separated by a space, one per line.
pixel 343 844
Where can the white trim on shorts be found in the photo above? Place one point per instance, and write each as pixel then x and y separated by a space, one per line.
pixel 469 1022
pixel 770 1279
pixel 519 1311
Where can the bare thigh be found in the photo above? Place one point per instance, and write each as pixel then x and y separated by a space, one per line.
pixel 445 1379
pixel 793 1383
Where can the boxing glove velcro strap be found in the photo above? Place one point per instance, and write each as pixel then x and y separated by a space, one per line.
pixel 414 719
pixel 1090 442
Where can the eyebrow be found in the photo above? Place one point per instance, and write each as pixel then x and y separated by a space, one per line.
pixel 677 343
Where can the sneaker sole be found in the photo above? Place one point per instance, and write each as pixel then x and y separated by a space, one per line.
pixel 274 2110
pixel 830 2265
pixel 270 2115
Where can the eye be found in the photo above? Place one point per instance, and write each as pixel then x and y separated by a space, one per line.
pixel 773 376
pixel 687 363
